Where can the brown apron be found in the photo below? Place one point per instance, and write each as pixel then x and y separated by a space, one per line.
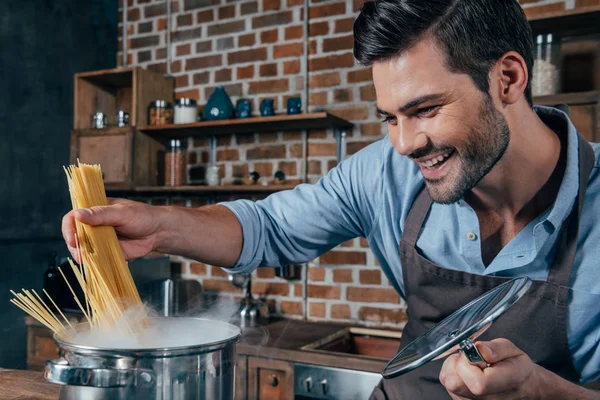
pixel 536 324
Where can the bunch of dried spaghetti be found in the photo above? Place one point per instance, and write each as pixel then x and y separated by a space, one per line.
pixel 103 273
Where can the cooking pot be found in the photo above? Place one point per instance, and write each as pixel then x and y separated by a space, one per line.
pixel 201 366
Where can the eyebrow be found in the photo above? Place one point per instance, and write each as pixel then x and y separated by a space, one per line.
pixel 413 103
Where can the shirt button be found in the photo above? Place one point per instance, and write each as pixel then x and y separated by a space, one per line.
pixel 471 236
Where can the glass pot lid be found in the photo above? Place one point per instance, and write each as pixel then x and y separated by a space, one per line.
pixel 458 330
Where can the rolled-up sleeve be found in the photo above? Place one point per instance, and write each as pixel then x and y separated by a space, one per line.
pixel 296 226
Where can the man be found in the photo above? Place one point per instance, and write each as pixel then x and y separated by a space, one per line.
pixel 472 183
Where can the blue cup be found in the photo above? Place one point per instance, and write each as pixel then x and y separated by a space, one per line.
pixel 243 108
pixel 294 105
pixel 266 108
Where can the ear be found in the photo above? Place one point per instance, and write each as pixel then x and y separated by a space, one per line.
pixel 509 78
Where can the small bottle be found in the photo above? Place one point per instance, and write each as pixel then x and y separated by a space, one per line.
pixel 175 164
pixel 546 66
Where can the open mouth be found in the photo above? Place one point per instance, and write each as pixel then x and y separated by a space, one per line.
pixel 437 162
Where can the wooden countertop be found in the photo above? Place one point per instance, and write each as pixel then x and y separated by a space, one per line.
pixel 26 385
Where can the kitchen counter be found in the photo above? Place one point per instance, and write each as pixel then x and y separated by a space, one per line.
pixel 26 385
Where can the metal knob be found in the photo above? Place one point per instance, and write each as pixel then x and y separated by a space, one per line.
pixel 274 380
pixel 324 387
pixel 308 384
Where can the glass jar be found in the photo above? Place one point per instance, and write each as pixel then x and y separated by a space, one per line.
pixel 546 66
pixel 213 176
pixel 160 112
pixel 186 111
pixel 175 164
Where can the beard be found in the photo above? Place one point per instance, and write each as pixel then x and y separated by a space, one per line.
pixel 486 144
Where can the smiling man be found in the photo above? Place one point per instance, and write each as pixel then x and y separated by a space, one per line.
pixel 472 186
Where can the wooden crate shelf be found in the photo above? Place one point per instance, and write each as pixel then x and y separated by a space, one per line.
pixel 590 97
pixel 200 190
pixel 577 22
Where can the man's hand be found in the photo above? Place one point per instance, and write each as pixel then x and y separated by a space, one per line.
pixel 137 225
pixel 511 374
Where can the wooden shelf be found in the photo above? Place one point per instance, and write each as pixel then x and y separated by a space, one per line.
pixel 568 98
pixel 319 120
pixel 200 189
pixel 581 21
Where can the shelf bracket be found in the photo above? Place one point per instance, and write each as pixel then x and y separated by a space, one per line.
pixel 340 144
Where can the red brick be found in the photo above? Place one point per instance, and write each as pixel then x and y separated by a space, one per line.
pixel 338 43
pixel 323 291
pixel 249 8
pixel 344 25
pixel 264 169
pixel 266 152
pixel 289 168
pixel 182 81
pixel 161 68
pixel 292 3
pixel 160 54
pixel 191 4
pixel 354 147
pixel 327 10
pixel 270 86
pixel 369 277
pixel 205 16
pixel 227 27
pixel 217 271
pixel 268 137
pixel 363 75
pixel 364 242
pixel 340 311
pixel 317 310
pixel 201 78
pixel 228 155
pixel 344 257
pixel 268 70
pixel 223 75
pixel 191 93
pixel 271 5
pixel 547 8
pixel 317 134
pixel 226 12
pixel 372 295
pixel 144 56
pixel 280 18
pixel 312 47
pixel 355 113
pixel 155 10
pixel 342 275
pixel 265 272
pixel 318 28
pixel 586 3
pixel 246 56
pixel 247 40
pixel 133 14
pixel 298 289
pixel 367 93
pixel 270 36
pixel 342 95
pixel 240 171
pixel 184 20
pixel 291 307
pixel 186 34
pixel 296 150
pixel 161 24
pixel 288 50
pixel 271 288
pixel 144 41
pixel 331 62
pixel 245 72
pixel 294 32
pixel 371 129
pixel 176 66
pixel 318 98
pixel 347 243
pixel 386 316
pixel 316 274
pixel 321 149
pixel 145 27
pixel 198 269
pixel 324 80
pixel 357 5
pixel 204 46
pixel 203 62
pixel 223 141
pixel 314 168
pixel 213 285
pixel 183 49
pixel 291 67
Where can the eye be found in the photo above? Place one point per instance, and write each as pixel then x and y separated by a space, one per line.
pixel 426 111
pixel 389 119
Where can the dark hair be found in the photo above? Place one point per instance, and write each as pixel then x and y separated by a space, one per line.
pixel 473 33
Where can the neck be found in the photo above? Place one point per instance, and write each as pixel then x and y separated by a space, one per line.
pixel 525 169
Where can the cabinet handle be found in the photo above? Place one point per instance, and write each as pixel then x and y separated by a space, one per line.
pixel 274 381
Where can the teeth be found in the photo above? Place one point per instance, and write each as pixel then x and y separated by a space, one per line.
pixel 434 161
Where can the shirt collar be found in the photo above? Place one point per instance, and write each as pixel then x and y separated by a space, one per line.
pixel 567 193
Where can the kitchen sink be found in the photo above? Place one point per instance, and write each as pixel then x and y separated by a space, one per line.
pixel 363 342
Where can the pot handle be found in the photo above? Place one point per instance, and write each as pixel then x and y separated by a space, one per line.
pixel 59 371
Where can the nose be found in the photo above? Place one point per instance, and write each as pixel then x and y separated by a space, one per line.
pixel 406 137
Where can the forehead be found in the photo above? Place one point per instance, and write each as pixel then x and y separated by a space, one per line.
pixel 416 72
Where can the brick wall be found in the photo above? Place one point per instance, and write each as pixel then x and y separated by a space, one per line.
pixel 255 50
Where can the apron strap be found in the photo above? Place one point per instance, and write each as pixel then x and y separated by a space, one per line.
pixel 560 273
pixel 416 216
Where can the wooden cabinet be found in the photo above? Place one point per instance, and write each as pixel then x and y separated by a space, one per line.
pixel 584 118
pixel 241 386
pixel 40 347
pixel 270 379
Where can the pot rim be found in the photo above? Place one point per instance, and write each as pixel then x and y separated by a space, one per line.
pixel 156 351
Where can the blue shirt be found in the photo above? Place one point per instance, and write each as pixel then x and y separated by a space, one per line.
pixel 370 195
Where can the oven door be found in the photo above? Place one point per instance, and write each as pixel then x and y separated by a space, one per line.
pixel 317 382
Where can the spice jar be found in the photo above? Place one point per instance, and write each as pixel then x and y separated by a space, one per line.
pixel 175 164
pixel 122 118
pixel 160 112
pixel 186 111
pixel 546 66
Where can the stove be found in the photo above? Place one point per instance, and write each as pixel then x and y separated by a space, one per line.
pixel 317 382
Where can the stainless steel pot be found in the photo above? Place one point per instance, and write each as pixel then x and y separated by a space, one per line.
pixel 205 370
